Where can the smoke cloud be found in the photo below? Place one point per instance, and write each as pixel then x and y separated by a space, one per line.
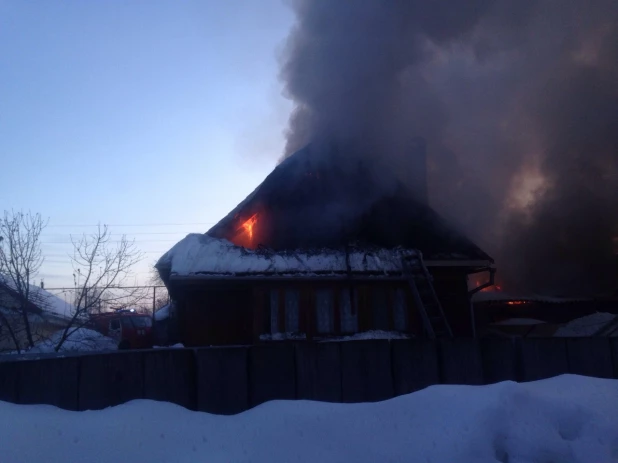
pixel 518 102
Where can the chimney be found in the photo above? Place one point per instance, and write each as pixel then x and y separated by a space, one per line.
pixel 417 169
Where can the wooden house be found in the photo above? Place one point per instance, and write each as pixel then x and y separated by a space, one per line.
pixel 46 315
pixel 316 252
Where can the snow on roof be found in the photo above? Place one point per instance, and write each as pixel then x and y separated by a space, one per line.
pixel 163 313
pixel 201 254
pixel 590 325
pixel 566 418
pixel 49 303
pixel 500 296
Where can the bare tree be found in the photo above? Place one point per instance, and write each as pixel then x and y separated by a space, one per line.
pixel 101 267
pixel 20 261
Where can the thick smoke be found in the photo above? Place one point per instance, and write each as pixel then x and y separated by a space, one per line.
pixel 517 99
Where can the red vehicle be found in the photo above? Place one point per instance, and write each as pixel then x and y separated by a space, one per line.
pixel 131 329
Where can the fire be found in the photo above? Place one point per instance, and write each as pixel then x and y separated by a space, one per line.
pixel 479 281
pixel 516 302
pixel 248 225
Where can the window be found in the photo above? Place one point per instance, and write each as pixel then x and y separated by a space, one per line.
pixel 379 309
pixel 274 311
pixel 400 310
pixel 292 303
pixel 292 311
pixel 324 303
pixel 349 314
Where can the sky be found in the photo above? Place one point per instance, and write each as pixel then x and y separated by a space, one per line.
pixel 154 117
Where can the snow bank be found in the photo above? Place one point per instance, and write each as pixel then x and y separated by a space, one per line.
pixel 566 419
pixel 82 340
pixel 198 253
pixel 589 325
pixel 283 336
pixel 163 313
pixel 174 346
pixel 373 334
pixel 519 322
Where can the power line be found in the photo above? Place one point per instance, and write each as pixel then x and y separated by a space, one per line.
pixel 133 225
pixel 130 233
pixel 109 287
pixel 116 241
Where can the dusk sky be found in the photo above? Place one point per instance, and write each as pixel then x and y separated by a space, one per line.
pixel 155 117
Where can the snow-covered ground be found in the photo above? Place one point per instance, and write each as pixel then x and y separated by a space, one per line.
pixel 366 335
pixel 163 313
pixel 372 334
pixel 80 340
pixel 564 419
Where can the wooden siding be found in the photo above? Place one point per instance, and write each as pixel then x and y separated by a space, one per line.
pixel 240 312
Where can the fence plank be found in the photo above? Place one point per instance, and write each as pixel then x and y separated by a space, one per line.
pixel 9 372
pixel 110 379
pixel 272 373
pixel 169 376
pixel 499 360
pixel 222 382
pixel 366 371
pixel 590 357
pixel 461 361
pixel 415 365
pixel 543 358
pixel 318 371
pixel 53 381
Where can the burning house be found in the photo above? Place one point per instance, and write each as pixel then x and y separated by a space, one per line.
pixel 324 247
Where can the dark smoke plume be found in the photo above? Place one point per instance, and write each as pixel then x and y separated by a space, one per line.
pixel 517 99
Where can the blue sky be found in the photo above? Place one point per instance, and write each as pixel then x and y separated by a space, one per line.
pixel 138 114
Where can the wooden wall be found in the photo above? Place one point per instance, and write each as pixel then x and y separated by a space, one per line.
pixel 240 312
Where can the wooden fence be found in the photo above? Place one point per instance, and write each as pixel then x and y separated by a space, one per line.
pixel 229 380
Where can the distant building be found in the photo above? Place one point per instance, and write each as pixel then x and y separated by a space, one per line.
pixel 46 315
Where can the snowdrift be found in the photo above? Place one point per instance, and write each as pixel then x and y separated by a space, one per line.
pixel 564 419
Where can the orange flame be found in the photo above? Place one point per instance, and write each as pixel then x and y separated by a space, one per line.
pixel 480 281
pixel 248 225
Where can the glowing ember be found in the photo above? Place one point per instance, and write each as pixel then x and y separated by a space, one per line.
pixel 248 225
pixel 516 302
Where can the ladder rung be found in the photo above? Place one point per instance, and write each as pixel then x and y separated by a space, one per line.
pixel 421 283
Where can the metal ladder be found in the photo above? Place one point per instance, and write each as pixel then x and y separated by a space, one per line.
pixel 421 282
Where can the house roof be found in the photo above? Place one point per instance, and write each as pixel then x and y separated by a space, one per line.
pixel 40 301
pixel 326 201
pixel 501 296
pixel 204 256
